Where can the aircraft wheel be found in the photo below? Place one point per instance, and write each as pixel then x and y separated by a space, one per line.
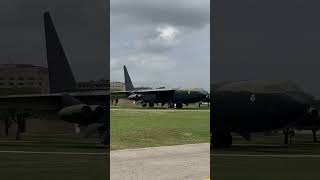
pixel 171 105
pixel 144 105
pixel 179 105
pixel 151 105
pixel 105 138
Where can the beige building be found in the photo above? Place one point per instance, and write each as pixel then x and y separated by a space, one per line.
pixel 117 86
pixel 24 76
pixel 94 85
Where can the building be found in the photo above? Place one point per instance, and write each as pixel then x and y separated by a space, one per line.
pixel 117 86
pixel 94 85
pixel 24 77
pixel 142 88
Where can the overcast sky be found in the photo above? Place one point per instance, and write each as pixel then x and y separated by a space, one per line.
pixel 268 39
pixel 162 43
pixel 82 26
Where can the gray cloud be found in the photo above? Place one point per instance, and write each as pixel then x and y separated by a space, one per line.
pixel 162 42
pixel 267 40
pixel 191 14
pixel 81 24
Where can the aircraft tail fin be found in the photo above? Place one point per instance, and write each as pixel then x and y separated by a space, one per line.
pixel 128 83
pixel 61 78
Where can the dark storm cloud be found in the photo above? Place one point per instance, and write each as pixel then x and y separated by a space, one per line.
pixel 178 12
pixel 81 24
pixel 162 43
pixel 267 40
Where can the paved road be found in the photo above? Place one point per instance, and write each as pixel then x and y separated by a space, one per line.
pixel 183 162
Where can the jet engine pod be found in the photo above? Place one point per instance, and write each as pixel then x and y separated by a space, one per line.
pixel 79 114
pixel 135 97
pixel 99 113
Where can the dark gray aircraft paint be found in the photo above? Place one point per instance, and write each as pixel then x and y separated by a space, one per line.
pixel 171 97
pixel 63 79
pixel 65 103
pixel 127 79
pixel 251 106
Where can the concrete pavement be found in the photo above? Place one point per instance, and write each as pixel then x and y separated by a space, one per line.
pixel 182 162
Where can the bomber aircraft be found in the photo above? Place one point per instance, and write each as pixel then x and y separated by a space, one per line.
pixel 64 101
pixel 246 107
pixel 172 97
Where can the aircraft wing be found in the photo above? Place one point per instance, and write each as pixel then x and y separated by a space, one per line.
pixel 48 102
pixel 27 103
pixel 148 91
pixel 154 91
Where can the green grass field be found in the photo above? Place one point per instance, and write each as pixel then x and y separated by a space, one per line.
pixel 50 166
pixel 129 129
pixel 143 128
pixel 264 167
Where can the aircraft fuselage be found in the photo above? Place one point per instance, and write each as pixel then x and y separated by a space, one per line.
pixel 246 112
pixel 183 96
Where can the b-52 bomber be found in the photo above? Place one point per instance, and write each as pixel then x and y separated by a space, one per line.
pixel 172 97
pixel 246 107
pixel 64 101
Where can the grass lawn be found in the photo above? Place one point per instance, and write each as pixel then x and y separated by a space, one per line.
pixel 230 164
pixel 137 129
pixel 50 166
pixel 265 168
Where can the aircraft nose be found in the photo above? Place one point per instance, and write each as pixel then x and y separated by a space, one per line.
pixel 203 94
pixel 301 98
pixel 300 102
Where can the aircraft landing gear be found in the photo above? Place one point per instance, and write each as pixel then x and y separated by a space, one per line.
pixel 104 135
pixel 170 105
pixel 314 133
pixel 221 140
pixel 179 105
pixel 151 105
pixel 288 135
pixel 7 125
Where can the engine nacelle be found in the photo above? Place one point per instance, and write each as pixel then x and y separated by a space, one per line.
pixel 79 114
pixel 135 97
